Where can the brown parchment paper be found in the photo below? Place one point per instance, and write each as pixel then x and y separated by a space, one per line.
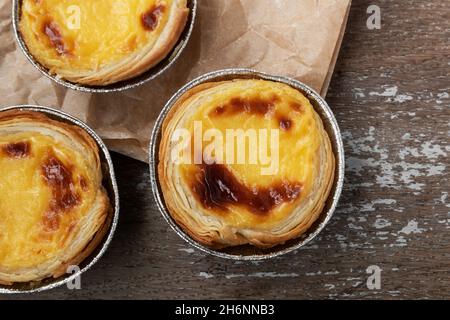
pixel 296 38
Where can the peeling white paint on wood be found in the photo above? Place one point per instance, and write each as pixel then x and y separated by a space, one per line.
pixel 412 227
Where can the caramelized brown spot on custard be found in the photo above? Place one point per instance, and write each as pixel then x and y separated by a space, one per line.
pixel 216 187
pixel 296 106
pixel 237 105
pixel 150 18
pixel 285 123
pixel 64 197
pixel 83 183
pixel 51 221
pixel 51 29
pixel 219 110
pixel 17 150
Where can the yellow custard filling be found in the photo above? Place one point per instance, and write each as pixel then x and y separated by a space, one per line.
pixel 294 165
pixel 45 194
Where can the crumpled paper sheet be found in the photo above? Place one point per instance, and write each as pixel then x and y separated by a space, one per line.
pixel 296 38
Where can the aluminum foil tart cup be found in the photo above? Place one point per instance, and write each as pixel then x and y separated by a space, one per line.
pixel 248 252
pixel 109 182
pixel 151 74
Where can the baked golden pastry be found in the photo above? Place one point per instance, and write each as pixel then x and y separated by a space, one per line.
pixel 221 201
pixel 54 210
pixel 101 42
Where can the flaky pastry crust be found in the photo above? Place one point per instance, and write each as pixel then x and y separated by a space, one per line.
pixel 229 205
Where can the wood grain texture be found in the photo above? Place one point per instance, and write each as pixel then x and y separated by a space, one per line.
pixel 390 93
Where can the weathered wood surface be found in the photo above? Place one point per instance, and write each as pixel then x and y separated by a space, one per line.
pixel 390 93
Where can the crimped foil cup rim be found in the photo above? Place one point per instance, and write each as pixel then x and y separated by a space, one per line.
pixel 60 115
pixel 338 150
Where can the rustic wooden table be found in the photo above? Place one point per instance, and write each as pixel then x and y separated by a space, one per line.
pixel 390 93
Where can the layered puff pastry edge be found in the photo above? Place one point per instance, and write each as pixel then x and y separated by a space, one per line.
pixel 222 204
pixel 101 42
pixel 54 210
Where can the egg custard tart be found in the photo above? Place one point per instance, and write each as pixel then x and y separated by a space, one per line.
pixel 244 162
pixel 101 42
pixel 54 210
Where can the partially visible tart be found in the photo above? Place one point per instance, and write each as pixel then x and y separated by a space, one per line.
pixel 54 210
pixel 101 42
